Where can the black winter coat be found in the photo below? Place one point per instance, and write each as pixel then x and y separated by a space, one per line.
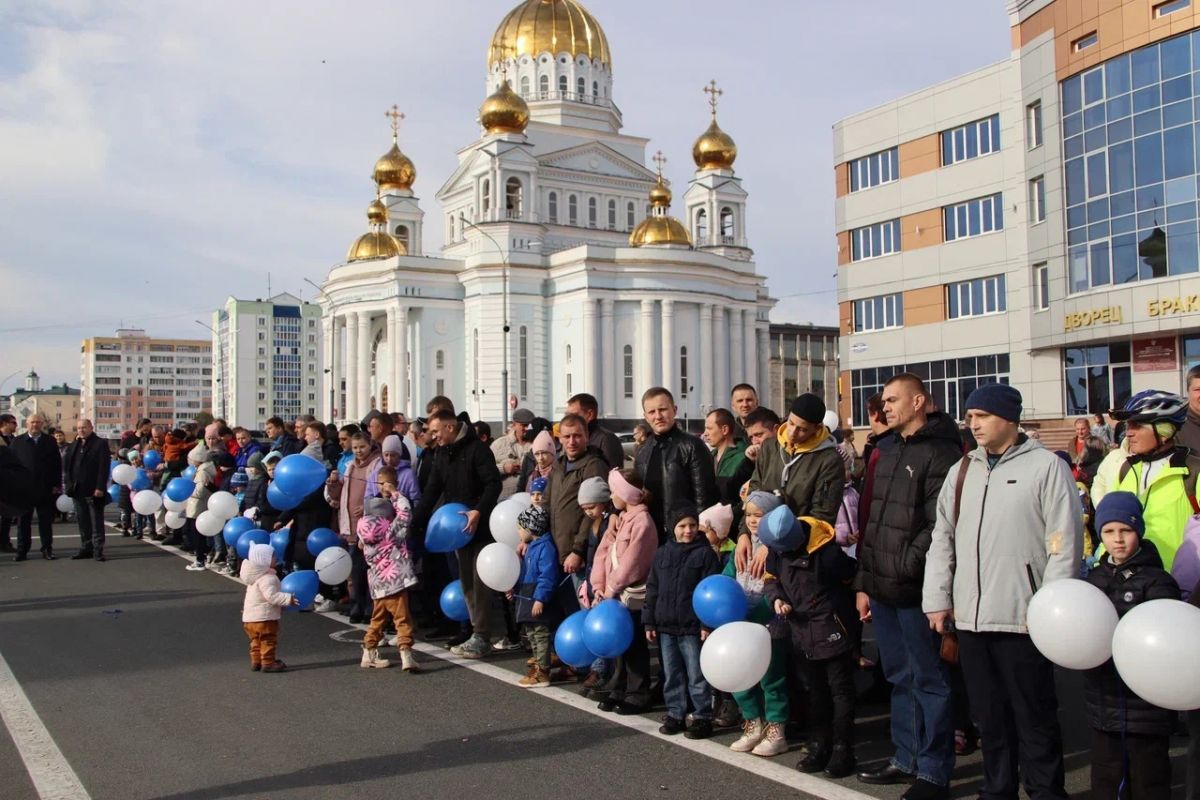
pixel 908 476
pixel 677 569
pixel 1138 580
pixel 815 582
pixel 87 466
pixel 463 472
pixel 43 460
pixel 686 478
pixel 16 485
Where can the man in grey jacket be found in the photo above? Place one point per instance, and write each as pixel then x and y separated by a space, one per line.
pixel 1008 521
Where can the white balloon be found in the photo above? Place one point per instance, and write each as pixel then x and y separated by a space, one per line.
pixel 1071 623
pixel 174 505
pixel 735 656
pixel 175 520
pixel 209 524
pixel 1156 648
pixel 64 504
pixel 498 566
pixel 524 498
pixel 333 565
pixel 223 504
pixel 503 523
pixel 123 474
pixel 147 502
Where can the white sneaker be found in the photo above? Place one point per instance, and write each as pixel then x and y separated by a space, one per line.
pixel 774 741
pixel 506 644
pixel 753 731
pixel 194 567
pixel 324 606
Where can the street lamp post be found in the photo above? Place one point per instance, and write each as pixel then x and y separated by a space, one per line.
pixel 504 371
pixel 328 370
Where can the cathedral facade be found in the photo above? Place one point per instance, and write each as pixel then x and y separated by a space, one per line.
pixel 563 269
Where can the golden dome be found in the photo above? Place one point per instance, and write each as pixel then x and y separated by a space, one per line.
pixel 377 212
pixel 660 195
pixel 504 111
pixel 715 149
pixel 549 26
pixel 394 170
pixel 377 242
pixel 659 230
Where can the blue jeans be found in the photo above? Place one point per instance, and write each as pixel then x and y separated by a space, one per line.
pixel 681 663
pixel 922 712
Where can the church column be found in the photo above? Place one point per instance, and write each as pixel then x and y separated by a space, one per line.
pixel 720 355
pixel 387 369
pixel 706 373
pixel 737 351
pixel 646 337
pixel 401 390
pixel 750 343
pixel 669 356
pixel 328 323
pixel 610 372
pixel 364 365
pixel 591 371
pixel 351 365
pixel 764 365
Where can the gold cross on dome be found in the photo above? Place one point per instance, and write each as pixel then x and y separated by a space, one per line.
pixel 713 93
pixel 396 116
pixel 660 160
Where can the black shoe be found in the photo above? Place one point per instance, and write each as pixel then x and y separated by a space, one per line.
pixel 356 619
pixel 841 763
pixel 627 709
pixel 20 557
pixel 81 555
pixel 886 775
pixel 608 705
pixel 699 729
pixel 48 555
pixel 924 790
pixel 815 758
pixel 672 726
pixel 101 557
pixel 174 540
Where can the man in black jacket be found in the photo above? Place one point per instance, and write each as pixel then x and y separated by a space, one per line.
pixel 605 441
pixel 675 467
pixel 891 570
pixel 38 452
pixel 464 471
pixel 87 477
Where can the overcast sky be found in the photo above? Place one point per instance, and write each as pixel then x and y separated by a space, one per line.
pixel 157 157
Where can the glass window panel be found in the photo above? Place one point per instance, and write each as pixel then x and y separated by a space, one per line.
pixel 1077 236
pixel 1078 269
pixel 994 124
pixel 1180 190
pixel 1120 167
pixel 1126 224
pixel 1145 66
pixel 989 296
pixel 1120 107
pixel 1116 76
pixel 1152 252
pixel 1073 125
pixel 1149 219
pixel 1147 159
pixel 1122 386
pixel 1146 99
pixel 952 301
pixel 987 365
pixel 1098 231
pixel 1176 57
pixel 1147 122
pixel 1072 94
pixel 1181 213
pixel 1177 114
pixel 1076 216
pixel 1098 210
pixel 1093 86
pixel 1177 89
pixel 1073 147
pixel 1124 258
pixel 977 306
pixel 972 141
pixel 1094 116
pixel 1097 175
pixel 1150 197
pixel 966 366
pixel 1183 249
pixel 1073 357
pixel 1180 152
pixel 1121 130
pixel 1094 139
pixel 1101 274
pixel 1099 397
pixel 973 223
pixel 1076 384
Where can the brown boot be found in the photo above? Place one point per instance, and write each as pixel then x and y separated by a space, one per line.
pixel 275 666
pixel 537 678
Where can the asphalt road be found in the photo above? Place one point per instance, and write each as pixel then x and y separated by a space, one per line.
pixel 138 670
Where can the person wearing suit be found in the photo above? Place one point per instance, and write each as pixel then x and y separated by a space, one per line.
pixel 38 452
pixel 87 478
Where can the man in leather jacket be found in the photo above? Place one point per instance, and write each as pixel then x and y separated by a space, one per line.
pixel 675 467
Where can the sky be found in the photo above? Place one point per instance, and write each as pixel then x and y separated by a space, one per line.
pixel 156 158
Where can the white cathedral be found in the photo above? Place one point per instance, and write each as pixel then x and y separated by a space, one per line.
pixel 563 270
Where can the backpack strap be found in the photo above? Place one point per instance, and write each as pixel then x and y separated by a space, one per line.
pixel 1123 471
pixel 958 485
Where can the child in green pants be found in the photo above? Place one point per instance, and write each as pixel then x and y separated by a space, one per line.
pixel 765 706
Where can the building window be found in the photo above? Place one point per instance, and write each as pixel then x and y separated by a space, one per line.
pixel 402 235
pixel 562 84
pixel 568 355
pixel 440 383
pixel 878 313
pixel 701 226
pixel 630 219
pixel 975 298
pixel 974 217
pixel 1037 200
pixel 512 198
pixel 612 215
pixel 439 359
pixel 875 169
pixel 949 382
pixel 627 369
pixel 1041 286
pixel 486 196
pixel 572 210
pixel 972 140
pixel 581 87
pixel 523 362
pixel 880 239
pixel 1084 42
pixel 1170 7
pixel 1098 378
pixel 683 372
pixel 1033 125
pixel 728 229
pixel 525 86
pixel 554 208
pixel 544 85
pixel 595 88
pixel 591 212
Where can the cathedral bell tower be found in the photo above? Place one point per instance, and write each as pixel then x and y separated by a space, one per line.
pixel 394 176
pixel 715 199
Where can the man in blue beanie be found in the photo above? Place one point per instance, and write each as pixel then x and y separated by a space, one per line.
pixel 1008 521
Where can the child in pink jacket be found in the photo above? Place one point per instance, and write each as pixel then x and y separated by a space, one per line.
pixel 622 565
pixel 261 608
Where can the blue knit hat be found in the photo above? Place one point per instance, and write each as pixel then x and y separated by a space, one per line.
pixel 782 532
pixel 997 398
pixel 1123 507
pixel 537 484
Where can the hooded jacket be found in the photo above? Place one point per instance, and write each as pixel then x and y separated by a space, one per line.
pixel 815 581
pixel 385 548
pixel 1166 506
pixel 568 524
pixel 463 472
pixel 908 479
pixel 809 477
pixel 1111 706
pixel 263 598
pixel 686 477
pixel 678 568
pixel 634 536
pixel 1019 525
pixel 538 581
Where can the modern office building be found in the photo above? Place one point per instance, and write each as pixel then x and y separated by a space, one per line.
pixel 266 360
pixel 1034 221
pixel 131 376
pixel 801 358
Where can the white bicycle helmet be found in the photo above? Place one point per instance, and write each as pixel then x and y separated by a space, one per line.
pixel 1153 405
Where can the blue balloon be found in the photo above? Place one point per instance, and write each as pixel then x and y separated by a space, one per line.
pixel 453 604
pixel 234 529
pixel 446 532
pixel 279 543
pixel 281 500
pixel 568 642
pixel 189 472
pixel 302 584
pixel 114 492
pixel 719 599
pixel 781 531
pixel 299 475
pixel 252 536
pixel 179 489
pixel 141 481
pixel 608 629
pixel 152 459
pixel 321 538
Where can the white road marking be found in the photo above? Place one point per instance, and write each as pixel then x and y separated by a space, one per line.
pixel 51 773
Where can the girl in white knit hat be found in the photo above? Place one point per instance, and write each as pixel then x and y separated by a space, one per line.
pixel 261 608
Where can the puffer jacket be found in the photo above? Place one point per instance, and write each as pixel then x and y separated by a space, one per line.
pixel 1112 707
pixel 678 568
pixel 1166 506
pixel 206 477
pixel 687 476
pixel 815 580
pixel 1019 526
pixel 263 597
pixel 908 479
pixel 568 524
pixel 385 547
pixel 634 536
pixel 808 478
pixel 463 472
pixel 538 581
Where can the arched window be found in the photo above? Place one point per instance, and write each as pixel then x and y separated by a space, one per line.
pixel 581 87
pixel 568 355
pixel 727 228
pixel 612 215
pixel 486 192
pixel 544 85
pixel 524 86
pixel 402 235
pixel 554 208
pixel 572 210
pixel 630 216
pixel 512 198
pixel 523 362
pixel 439 359
pixel 562 84
pixel 627 369
pixel 683 372
pixel 591 212
pixel 701 226
pixel 595 89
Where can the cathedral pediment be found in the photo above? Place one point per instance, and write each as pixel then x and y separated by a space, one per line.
pixel 597 159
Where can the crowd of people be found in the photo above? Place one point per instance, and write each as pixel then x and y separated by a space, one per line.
pixel 936 540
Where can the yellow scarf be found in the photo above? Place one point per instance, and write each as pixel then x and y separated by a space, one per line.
pixel 804 447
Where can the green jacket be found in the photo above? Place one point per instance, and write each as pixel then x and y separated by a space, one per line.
pixel 809 481
pixel 731 460
pixel 1166 506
